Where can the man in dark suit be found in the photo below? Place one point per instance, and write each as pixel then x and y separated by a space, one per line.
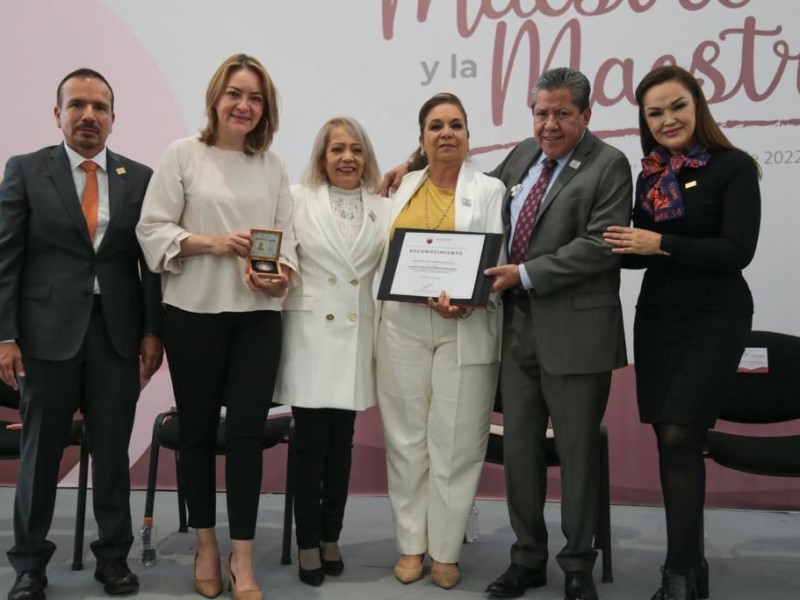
pixel 79 324
pixel 562 328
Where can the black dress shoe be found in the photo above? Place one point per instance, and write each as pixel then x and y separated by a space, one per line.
pixel 28 586
pixel 677 586
pixel 579 585
pixel 116 577
pixel 515 581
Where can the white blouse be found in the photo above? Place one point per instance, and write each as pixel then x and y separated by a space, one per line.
pixel 201 189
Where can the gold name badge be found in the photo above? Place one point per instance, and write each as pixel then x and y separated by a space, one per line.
pixel 691 184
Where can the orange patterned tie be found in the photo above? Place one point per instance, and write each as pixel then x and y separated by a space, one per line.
pixel 91 197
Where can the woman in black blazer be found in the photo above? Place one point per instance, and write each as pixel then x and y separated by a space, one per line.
pixel 695 227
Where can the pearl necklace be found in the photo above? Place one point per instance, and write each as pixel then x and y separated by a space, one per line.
pixel 444 214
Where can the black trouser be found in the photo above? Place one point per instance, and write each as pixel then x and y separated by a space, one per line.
pixel 323 442
pixel 220 359
pixel 105 386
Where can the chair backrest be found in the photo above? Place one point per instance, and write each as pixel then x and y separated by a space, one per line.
pixel 8 396
pixel 769 397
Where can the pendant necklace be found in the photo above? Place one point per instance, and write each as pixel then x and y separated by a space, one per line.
pixel 444 214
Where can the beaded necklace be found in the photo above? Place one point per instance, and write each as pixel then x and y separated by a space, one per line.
pixel 444 213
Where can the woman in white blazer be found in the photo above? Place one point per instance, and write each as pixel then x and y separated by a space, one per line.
pixel 326 372
pixel 437 364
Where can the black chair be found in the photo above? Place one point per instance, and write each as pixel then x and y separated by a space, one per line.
pixel 759 398
pixel 277 430
pixel 602 535
pixel 10 449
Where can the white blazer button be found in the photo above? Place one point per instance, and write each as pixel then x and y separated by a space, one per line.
pixel 353 317
pixel 329 317
pixel 332 281
pixel 354 282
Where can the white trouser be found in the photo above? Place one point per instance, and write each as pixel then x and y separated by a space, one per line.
pixel 436 419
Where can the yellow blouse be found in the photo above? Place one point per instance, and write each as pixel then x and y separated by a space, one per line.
pixel 431 207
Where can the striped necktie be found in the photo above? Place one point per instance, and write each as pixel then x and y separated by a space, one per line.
pixel 527 214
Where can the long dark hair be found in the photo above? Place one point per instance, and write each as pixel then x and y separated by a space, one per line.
pixel 707 131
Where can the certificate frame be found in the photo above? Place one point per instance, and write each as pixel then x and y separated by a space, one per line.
pixel 421 262
pixel 265 252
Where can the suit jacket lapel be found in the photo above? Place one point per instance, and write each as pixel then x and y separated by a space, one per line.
pixel 576 161
pixel 116 194
pixel 59 172
pixel 364 241
pixel 465 197
pixel 516 179
pixel 411 183
pixel 320 208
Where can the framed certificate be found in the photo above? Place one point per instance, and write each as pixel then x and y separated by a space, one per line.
pixel 422 262
pixel 265 252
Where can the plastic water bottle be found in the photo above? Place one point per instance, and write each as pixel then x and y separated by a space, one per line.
pixel 148 555
pixel 471 534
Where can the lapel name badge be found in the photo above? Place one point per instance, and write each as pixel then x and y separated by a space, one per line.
pixel 372 216
pixel 574 164
pixel 515 189
pixel 120 170
pixel 691 184
pixel 466 202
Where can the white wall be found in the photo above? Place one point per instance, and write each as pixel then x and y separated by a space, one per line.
pixel 368 59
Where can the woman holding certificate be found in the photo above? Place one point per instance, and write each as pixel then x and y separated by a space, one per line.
pixel 437 363
pixel 695 227
pixel 222 329
pixel 327 371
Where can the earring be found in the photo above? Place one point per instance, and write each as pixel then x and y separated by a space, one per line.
pixel 422 152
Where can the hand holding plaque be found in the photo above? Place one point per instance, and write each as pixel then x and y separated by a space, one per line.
pixel 422 263
pixel 265 253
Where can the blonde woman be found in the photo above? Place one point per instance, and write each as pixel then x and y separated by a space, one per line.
pixel 327 372
pixel 222 329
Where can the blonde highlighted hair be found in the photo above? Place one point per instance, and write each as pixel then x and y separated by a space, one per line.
pixel 315 175
pixel 260 138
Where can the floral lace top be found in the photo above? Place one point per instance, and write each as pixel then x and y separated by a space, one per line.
pixel 348 213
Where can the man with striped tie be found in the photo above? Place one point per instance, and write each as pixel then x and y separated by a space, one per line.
pixel 562 325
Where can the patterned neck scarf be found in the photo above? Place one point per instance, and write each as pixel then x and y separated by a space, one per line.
pixel 662 198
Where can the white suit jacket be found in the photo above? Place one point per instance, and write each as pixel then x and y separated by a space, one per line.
pixel 478 207
pixel 328 320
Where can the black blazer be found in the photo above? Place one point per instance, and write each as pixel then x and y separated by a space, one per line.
pixel 710 245
pixel 48 264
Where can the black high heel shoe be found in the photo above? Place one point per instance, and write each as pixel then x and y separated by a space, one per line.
pixel 313 577
pixel 677 586
pixel 702 580
pixel 334 568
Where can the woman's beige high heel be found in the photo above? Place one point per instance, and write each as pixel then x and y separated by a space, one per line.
pixel 445 575
pixel 408 570
pixel 210 588
pixel 244 594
